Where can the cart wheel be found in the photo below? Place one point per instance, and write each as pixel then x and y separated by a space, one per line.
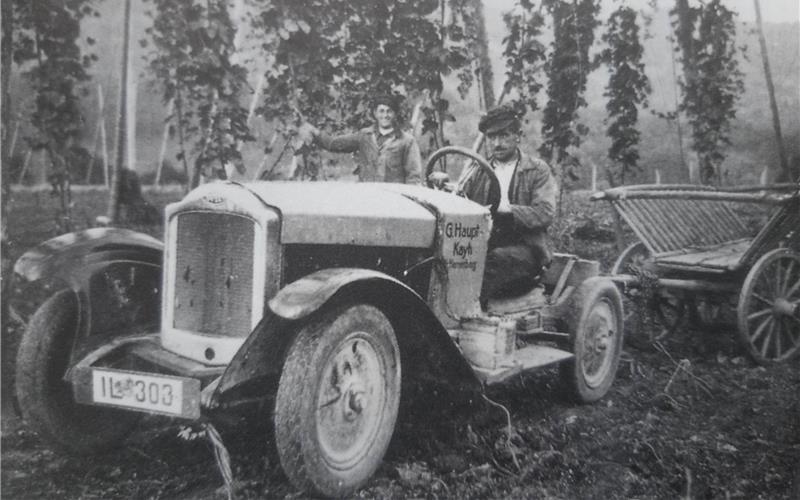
pixel 769 307
pixel 668 307
pixel 635 254
pixel 595 322
pixel 337 400
pixel 46 400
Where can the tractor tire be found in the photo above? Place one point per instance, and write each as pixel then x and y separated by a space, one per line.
pixel 337 400
pixel 595 324
pixel 46 400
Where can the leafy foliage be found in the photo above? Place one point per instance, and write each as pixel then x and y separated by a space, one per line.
pixel 523 52
pixel 628 87
pixel 192 62
pixel 574 23
pixel 713 82
pixel 41 38
pixel 325 58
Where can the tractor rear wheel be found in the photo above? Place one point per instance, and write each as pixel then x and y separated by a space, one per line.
pixel 337 400
pixel 595 323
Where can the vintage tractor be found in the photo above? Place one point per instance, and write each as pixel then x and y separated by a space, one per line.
pixel 317 300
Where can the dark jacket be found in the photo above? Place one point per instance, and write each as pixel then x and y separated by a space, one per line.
pixel 532 195
pixel 397 159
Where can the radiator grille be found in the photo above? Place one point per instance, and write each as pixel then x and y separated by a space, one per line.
pixel 213 291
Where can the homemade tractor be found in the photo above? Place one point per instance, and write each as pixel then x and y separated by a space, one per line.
pixel 696 259
pixel 316 300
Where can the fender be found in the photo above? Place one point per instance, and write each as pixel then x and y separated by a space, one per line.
pixel 424 342
pixel 63 257
pixel 115 274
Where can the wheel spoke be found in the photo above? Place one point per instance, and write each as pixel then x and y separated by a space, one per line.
pixel 790 337
pixel 760 330
pixel 759 314
pixel 794 334
pixel 762 299
pixel 768 339
pixel 795 288
pixel 779 326
pixel 788 275
pixel 778 278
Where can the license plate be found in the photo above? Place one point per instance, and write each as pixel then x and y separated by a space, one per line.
pixel 177 396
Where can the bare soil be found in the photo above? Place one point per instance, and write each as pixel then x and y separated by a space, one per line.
pixel 691 417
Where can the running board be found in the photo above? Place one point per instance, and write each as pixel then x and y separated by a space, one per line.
pixel 521 360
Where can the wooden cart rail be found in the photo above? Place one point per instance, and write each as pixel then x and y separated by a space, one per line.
pixel 695 227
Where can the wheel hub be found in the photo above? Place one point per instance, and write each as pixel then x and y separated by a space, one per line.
pixel 601 329
pixel 783 307
pixel 351 402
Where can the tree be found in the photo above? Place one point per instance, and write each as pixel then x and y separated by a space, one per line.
pixel 41 38
pixel 523 52
pixel 484 67
pixel 324 58
pixel 192 62
pixel 712 81
pixel 567 68
pixel 627 88
pixel 6 60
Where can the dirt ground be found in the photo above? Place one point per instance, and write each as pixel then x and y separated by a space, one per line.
pixel 691 417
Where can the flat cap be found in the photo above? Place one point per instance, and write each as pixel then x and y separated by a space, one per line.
pixel 391 100
pixel 498 119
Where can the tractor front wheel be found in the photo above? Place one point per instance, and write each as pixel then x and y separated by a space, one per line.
pixel 45 398
pixel 337 400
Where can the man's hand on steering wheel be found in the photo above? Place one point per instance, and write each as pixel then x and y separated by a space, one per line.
pixel 494 189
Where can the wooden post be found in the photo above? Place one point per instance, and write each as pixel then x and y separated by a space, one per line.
pixel 164 138
pixel 619 232
pixel 658 176
pixel 130 115
pixel 116 183
pixel 254 101
pixel 103 140
pixel 594 177
pixel 90 167
pixel 24 166
pixel 776 121
pixel 13 140
pixel 251 112
pixel 693 173
pixel 677 108
pixel 415 117
pixel 99 134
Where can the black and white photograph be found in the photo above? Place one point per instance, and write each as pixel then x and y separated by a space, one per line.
pixel 400 249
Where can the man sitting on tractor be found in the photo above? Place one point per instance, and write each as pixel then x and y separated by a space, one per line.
pixel 385 153
pixel 518 245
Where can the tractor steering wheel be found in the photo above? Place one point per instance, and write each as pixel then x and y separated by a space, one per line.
pixel 494 188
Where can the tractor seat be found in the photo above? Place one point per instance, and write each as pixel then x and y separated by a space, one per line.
pixel 511 304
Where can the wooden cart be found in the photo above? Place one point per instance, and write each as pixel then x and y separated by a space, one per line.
pixel 696 256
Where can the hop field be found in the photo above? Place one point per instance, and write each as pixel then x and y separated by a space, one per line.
pixel 690 417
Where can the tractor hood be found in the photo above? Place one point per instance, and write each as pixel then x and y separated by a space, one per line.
pixel 327 213
pixel 340 213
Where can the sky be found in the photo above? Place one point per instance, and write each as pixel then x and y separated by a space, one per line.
pixel 772 11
